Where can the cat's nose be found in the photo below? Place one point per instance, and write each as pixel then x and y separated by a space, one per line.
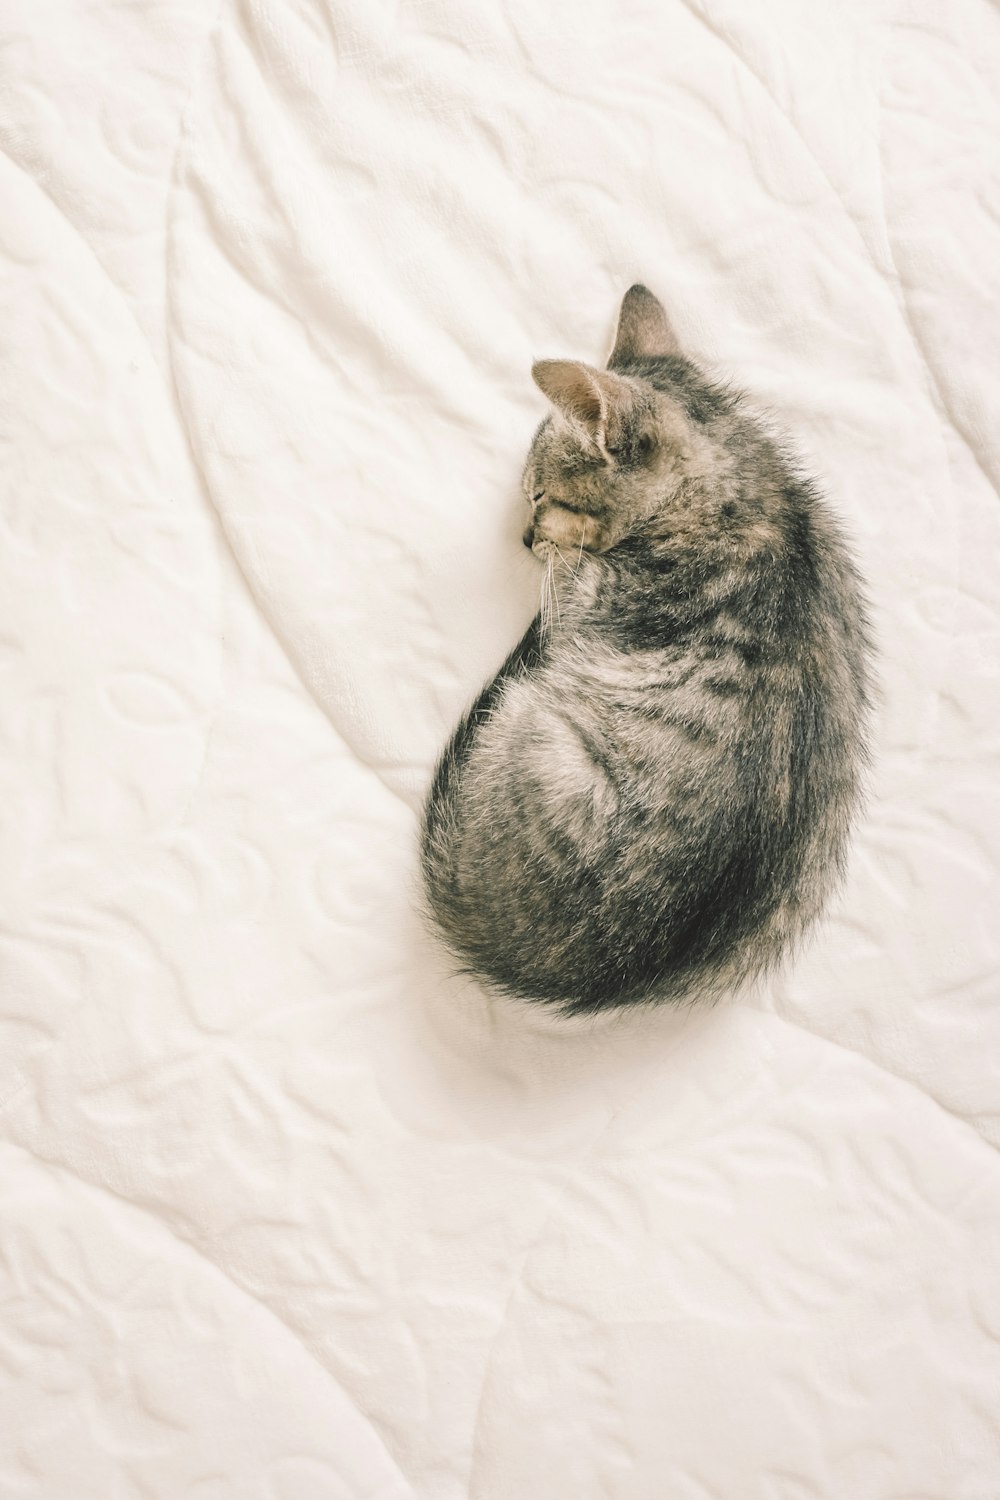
pixel 529 537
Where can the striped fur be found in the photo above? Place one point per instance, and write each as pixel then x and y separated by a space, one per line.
pixel 653 796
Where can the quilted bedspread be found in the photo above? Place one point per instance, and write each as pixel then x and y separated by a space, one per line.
pixel 287 1210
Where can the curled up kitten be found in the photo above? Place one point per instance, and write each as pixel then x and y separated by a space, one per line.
pixel 653 796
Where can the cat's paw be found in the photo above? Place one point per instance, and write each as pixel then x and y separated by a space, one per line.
pixel 568 531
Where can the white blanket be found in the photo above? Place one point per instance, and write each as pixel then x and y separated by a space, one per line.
pixel 286 1210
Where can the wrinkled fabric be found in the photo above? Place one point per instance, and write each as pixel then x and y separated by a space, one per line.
pixel 288 1209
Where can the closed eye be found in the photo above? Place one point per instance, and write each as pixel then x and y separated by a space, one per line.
pixel 540 495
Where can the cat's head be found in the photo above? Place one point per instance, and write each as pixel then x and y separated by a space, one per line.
pixel 611 452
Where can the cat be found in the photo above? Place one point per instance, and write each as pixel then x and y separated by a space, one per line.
pixel 653 796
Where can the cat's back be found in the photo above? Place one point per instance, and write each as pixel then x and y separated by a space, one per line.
pixel 669 776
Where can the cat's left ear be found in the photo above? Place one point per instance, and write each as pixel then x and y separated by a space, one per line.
pixel 644 329
pixel 595 400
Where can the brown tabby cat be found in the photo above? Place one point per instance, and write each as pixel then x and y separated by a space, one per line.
pixel 653 796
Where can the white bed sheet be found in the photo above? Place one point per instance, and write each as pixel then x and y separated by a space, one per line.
pixel 286 1211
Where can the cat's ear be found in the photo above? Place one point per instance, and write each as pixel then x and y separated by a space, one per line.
pixel 643 328
pixel 593 399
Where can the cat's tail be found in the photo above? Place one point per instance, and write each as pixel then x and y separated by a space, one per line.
pixel 443 821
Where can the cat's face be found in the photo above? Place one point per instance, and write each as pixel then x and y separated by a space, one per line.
pixel 582 494
pixel 598 467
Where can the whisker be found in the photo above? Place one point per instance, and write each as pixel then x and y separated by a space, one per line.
pixel 555 590
pixel 546 600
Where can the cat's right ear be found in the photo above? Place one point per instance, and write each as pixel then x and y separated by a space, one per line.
pixel 597 402
pixel 644 329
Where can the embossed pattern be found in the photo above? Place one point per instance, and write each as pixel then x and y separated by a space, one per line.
pixel 286 1210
